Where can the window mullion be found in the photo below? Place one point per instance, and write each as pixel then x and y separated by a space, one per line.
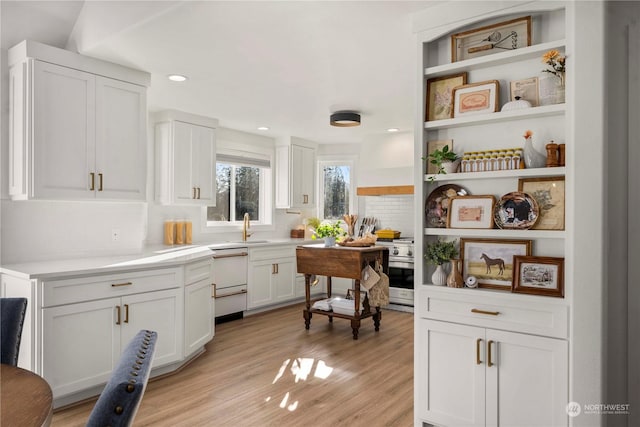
pixel 232 195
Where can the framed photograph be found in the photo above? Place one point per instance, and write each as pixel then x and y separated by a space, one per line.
pixel 490 261
pixel 548 192
pixel 516 211
pixel 471 212
pixel 476 98
pixel 507 35
pixel 526 89
pixel 538 276
pixel 433 146
pixel 439 95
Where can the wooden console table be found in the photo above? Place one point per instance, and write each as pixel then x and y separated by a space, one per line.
pixel 339 261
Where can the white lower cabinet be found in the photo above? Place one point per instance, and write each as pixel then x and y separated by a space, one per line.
pixel 82 342
pixel 474 376
pixel 272 276
pixel 198 306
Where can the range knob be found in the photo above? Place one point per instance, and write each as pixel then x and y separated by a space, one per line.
pixel 409 252
pixel 396 251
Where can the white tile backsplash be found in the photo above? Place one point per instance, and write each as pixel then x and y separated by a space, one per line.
pixel 394 212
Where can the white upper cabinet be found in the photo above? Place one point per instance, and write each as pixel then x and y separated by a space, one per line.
pixel 295 176
pixel 74 134
pixel 186 161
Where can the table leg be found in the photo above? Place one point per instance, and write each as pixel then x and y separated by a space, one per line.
pixel 355 326
pixel 306 313
pixel 376 318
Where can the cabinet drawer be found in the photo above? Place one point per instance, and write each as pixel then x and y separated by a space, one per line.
pixel 197 271
pixel 66 291
pixel 260 254
pixel 528 315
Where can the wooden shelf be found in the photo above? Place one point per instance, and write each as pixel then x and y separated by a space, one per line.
pixel 515 173
pixel 500 116
pixel 502 58
pixel 383 191
pixel 493 233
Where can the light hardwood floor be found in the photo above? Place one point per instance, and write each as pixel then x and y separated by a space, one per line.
pixel 267 370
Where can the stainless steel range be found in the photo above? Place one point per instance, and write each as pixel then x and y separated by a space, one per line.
pixel 400 272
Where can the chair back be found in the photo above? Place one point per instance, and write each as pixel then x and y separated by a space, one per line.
pixel 120 399
pixel 12 312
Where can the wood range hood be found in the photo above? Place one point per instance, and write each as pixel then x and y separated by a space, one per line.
pixel 390 190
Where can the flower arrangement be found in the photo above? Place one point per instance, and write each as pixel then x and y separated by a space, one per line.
pixel 556 62
pixel 328 229
pixel 440 251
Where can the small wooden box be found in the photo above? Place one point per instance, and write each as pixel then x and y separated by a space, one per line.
pixel 297 234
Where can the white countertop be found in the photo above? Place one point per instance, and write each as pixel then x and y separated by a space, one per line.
pixel 150 257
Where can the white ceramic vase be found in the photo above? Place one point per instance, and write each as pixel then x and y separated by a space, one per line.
pixel 329 241
pixel 532 158
pixel 451 167
pixel 439 277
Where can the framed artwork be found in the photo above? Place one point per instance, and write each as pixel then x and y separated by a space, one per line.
pixel 490 261
pixel 471 212
pixel 494 38
pixel 433 146
pixel 538 276
pixel 439 95
pixel 476 98
pixel 436 207
pixel 526 89
pixel 548 192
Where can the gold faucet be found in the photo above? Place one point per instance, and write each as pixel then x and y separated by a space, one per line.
pixel 245 226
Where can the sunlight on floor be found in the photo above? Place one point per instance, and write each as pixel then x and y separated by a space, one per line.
pixel 300 368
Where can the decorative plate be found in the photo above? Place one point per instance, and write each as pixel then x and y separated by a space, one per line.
pixel 438 202
pixel 516 211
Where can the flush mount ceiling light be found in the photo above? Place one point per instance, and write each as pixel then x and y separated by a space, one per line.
pixel 345 119
pixel 177 77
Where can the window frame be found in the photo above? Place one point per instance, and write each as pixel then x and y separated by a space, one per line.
pixel 336 160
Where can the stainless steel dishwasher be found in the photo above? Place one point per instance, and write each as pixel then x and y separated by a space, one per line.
pixel 229 283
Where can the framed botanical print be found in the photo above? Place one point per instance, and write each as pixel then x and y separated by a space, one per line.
pixel 439 95
pixel 548 192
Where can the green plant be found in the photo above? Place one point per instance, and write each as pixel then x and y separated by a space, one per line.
pixel 441 251
pixel 328 229
pixel 440 156
pixel 313 222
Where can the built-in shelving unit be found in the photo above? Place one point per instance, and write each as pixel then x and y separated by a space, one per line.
pixel 516 173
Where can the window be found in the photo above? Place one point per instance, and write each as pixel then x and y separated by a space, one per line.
pixel 243 186
pixel 336 193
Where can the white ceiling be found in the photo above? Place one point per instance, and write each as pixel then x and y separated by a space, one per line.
pixel 282 64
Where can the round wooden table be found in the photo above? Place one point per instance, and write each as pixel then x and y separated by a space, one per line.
pixel 25 398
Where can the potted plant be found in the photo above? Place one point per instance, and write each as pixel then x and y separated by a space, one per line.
pixel 445 160
pixel 329 232
pixel 438 253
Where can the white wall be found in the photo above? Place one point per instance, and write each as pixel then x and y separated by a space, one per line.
pixel 386 160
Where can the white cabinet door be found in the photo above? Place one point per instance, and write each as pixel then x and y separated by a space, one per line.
pixel 283 177
pixel 204 164
pixel 160 311
pixel 303 178
pixel 121 154
pixel 198 316
pixel 259 284
pixel 63 120
pixel 183 189
pixel 450 377
pixel 527 382
pixel 80 345
pixel 284 280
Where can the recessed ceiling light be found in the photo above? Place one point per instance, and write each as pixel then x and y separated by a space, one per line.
pixel 393 130
pixel 263 128
pixel 176 77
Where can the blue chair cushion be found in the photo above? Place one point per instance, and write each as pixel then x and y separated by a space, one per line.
pixel 12 312
pixel 120 399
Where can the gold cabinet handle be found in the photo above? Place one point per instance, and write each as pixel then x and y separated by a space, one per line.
pixel 478 342
pixel 99 182
pixel 489 362
pixel 490 313
pixel 277 269
pixel 126 313
pixel 305 198
pixel 193 192
pixel 231 255
pixel 117 315
pixel 117 285
pixel 244 291
pixel 92 181
pixel 198 193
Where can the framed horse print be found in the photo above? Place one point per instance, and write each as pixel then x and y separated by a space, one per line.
pixel 491 261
